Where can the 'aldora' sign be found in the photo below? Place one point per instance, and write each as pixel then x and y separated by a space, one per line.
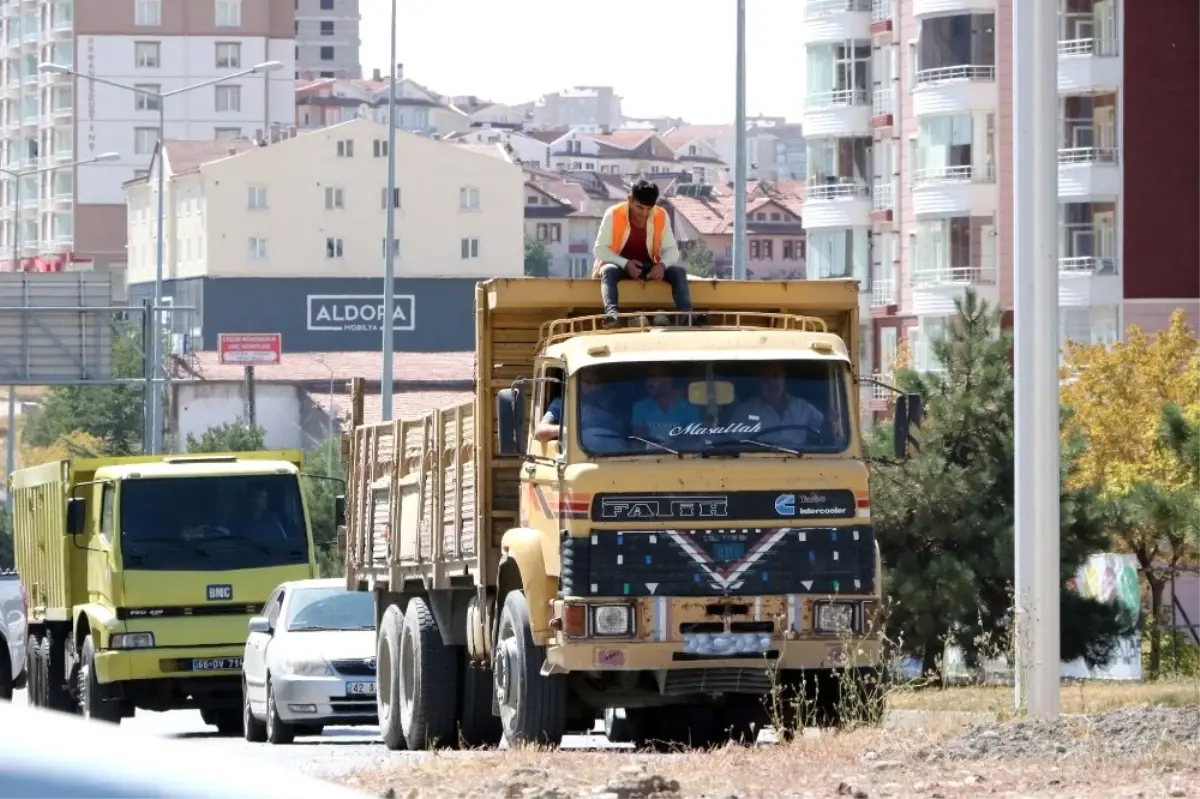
pixel 358 313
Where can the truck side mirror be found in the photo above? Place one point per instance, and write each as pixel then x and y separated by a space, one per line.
pixel 510 420
pixel 339 510
pixel 76 515
pixel 909 413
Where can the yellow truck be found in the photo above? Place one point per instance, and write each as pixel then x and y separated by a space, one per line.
pixel 671 519
pixel 142 573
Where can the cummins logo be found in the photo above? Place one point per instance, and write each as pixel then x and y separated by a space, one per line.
pixel 358 313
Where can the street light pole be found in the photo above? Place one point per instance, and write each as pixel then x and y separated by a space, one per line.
pixel 154 347
pixel 740 246
pixel 389 248
pixel 1035 279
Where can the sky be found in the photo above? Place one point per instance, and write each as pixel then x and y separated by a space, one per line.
pixel 664 57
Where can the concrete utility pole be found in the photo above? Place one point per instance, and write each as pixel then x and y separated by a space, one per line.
pixel 389 247
pixel 1035 282
pixel 740 244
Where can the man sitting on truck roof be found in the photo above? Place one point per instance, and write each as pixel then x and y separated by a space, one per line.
pixel 635 242
pixel 775 408
pixel 601 429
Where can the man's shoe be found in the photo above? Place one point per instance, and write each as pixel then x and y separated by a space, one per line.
pixel 611 321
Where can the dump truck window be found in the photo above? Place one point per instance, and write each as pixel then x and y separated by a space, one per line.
pixel 107 502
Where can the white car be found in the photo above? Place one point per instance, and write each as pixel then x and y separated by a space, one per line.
pixel 309 661
pixel 13 632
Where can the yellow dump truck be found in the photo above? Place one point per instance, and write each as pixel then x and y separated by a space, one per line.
pixel 143 572
pixel 672 519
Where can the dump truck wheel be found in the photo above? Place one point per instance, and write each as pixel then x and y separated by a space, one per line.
pixel 428 677
pixel 618 726
pixel 6 673
pixel 478 726
pixel 33 666
pixel 533 708
pixel 387 683
pixel 253 730
pixel 56 694
pixel 90 703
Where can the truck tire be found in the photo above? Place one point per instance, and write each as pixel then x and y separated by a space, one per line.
pixel 55 691
pixel 533 708
pixel 278 730
pixel 6 673
pixel 428 677
pixel 227 721
pixel 90 704
pixel 618 729
pixel 33 667
pixel 255 731
pixel 477 725
pixel 387 683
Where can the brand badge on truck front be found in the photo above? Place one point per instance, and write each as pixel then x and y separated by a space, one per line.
pixel 220 593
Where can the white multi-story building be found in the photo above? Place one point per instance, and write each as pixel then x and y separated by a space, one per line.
pixel 315 206
pixel 327 39
pixel 77 215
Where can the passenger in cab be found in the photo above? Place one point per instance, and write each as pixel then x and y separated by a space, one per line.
pixel 664 409
pixel 773 408
pixel 601 429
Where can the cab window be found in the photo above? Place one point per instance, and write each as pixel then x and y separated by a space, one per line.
pixel 107 508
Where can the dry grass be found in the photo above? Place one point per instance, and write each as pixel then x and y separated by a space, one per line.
pixel 1083 697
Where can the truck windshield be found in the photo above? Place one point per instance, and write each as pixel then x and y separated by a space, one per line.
pixel 212 523
pixel 768 406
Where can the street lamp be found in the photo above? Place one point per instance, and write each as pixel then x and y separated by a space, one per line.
pixel 740 246
pixel 155 356
pixel 17 175
pixel 389 247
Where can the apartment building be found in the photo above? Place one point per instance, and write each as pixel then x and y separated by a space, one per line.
pixel 327 39
pixel 75 217
pixel 588 108
pixel 910 187
pixel 564 214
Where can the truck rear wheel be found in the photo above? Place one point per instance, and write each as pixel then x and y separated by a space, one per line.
pixel 54 673
pixel 90 703
pixel 387 683
pixel 428 677
pixel 33 667
pixel 478 726
pixel 533 708
pixel 6 673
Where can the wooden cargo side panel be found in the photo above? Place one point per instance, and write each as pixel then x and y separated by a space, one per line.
pixel 458 482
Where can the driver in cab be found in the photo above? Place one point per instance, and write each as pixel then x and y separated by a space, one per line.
pixel 784 420
pixel 600 428
pixel 260 522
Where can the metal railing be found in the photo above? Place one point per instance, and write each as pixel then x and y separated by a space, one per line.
pixel 1088 264
pixel 953 275
pixel 837 191
pixel 1097 48
pixel 883 196
pixel 882 10
pixel 965 72
pixel 962 173
pixel 878 392
pixel 883 102
pixel 1087 155
pixel 840 98
pixel 883 292
pixel 815 9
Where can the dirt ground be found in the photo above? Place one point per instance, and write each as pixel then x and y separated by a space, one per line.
pixel 1130 741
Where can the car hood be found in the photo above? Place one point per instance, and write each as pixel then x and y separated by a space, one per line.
pixel 330 644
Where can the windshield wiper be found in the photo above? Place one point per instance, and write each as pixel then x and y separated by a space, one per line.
pixel 652 443
pixel 261 547
pixel 766 445
pixel 174 541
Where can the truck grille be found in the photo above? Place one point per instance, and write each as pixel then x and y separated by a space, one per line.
pixel 681 682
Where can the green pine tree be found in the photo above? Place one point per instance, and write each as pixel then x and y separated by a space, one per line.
pixel 944 518
pixel 324 480
pixel 698 259
pixel 229 437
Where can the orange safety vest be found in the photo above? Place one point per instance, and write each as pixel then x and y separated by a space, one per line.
pixel 620 225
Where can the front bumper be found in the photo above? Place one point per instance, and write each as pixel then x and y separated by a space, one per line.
pixel 322 699
pixel 123 665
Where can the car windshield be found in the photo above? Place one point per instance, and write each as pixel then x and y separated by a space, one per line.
pixel 212 523
pixel 330 608
pixel 789 407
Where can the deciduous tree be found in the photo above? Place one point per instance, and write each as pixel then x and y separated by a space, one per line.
pixel 537 258
pixel 698 259
pixel 229 437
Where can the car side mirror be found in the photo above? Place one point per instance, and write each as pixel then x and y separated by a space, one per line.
pixel 260 624
pixel 909 413
pixel 510 420
pixel 76 515
pixel 339 511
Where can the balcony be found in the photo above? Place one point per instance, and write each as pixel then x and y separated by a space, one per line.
pixel 63 200
pixel 883 105
pixel 836 20
pixel 935 289
pixel 882 14
pixel 1088 173
pixel 1084 281
pixel 64 242
pixel 1088 65
pixel 946 8
pixel 839 203
pixel 879 393
pixel 29 79
pixel 64 156
pixel 883 200
pixel 947 191
pixel 955 90
pixel 883 293
pixel 843 112
pixel 63 112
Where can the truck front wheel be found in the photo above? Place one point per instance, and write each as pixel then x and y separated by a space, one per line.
pixel 90 703
pixel 533 708
pixel 387 682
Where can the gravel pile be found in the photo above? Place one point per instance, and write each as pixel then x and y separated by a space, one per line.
pixel 1129 731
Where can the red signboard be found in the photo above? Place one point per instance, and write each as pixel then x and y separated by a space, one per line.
pixel 250 349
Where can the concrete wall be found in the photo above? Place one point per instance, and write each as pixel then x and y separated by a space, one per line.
pixel 284 410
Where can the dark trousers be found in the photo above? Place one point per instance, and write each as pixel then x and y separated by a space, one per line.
pixel 611 275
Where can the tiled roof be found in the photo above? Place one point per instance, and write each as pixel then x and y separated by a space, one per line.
pixel 584 203
pixel 713 216
pixel 187 156
pixel 433 367
pixel 547 136
pixel 686 134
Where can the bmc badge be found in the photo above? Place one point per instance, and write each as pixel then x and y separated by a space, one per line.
pixel 219 593
pixel 785 504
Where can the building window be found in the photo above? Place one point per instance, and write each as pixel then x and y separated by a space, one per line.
pixel 229 55
pixel 327 5
pixel 147 13
pixel 257 249
pixel 227 133
pixel 334 199
pixel 229 13
pixel 468 198
pixel 144 140
pixel 793 250
pixel 345 148
pixel 228 98
pixel 147 97
pixel 547 231
pixel 334 248
pixel 395 247
pixel 470 248
pixel 256 198
pixel 326 53
pixel 146 55
pixel 326 27
pixel 762 249
pixel 380 148
pixel 839 253
pixel 383 197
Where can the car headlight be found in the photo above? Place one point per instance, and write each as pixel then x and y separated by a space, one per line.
pixel 834 617
pixel 612 620
pixel 307 668
pixel 131 641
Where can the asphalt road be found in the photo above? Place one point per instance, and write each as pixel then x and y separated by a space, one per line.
pixel 338 751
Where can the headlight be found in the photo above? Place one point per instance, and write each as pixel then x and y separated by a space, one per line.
pixel 834 617
pixel 307 668
pixel 131 641
pixel 612 620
